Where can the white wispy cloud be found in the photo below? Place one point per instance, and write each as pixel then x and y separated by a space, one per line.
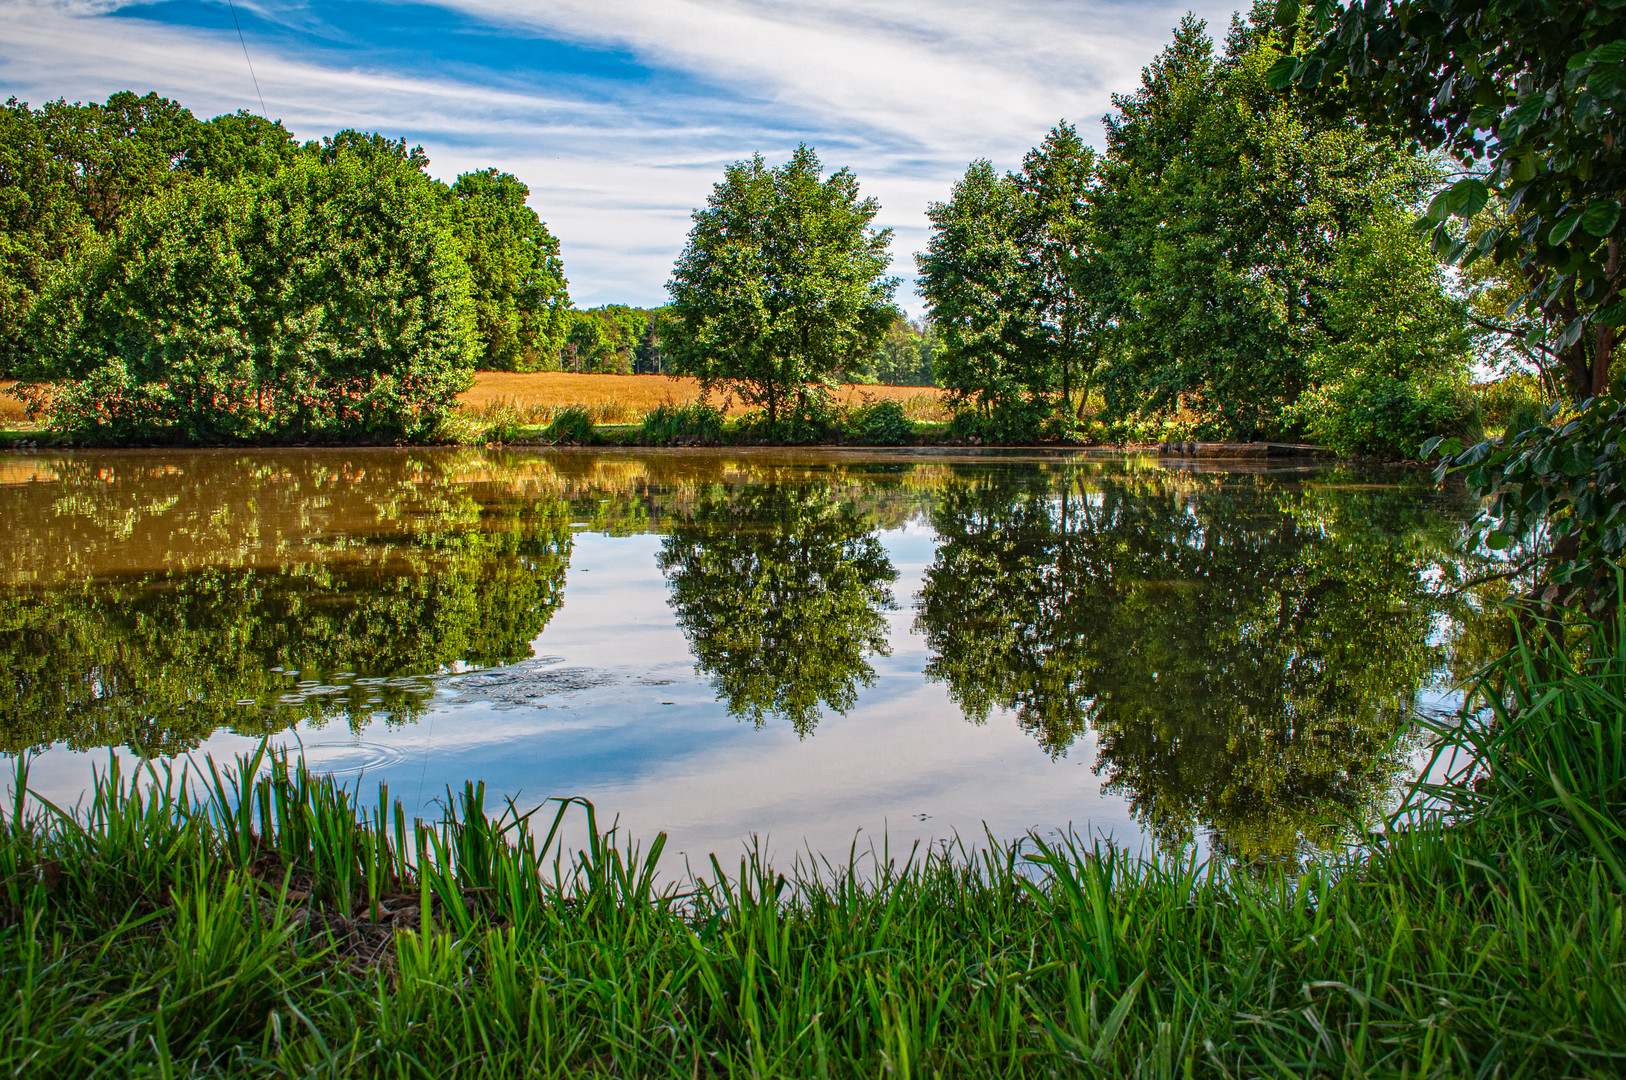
pixel 904 92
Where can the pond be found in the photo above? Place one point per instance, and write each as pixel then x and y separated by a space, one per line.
pixel 811 647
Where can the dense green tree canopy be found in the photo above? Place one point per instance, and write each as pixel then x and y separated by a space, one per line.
pixel 619 340
pixel 1526 95
pixel 74 174
pixel 328 302
pixel 781 288
pixel 906 355
pixel 1014 285
pixel 1223 212
pixel 521 308
pixel 42 225
pixel 979 285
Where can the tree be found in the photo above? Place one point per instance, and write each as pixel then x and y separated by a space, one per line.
pixel 979 285
pixel 1527 96
pixel 42 227
pixel 118 152
pixel 240 144
pixel 521 307
pixel 326 303
pixel 1393 366
pixel 1071 278
pixel 1221 212
pixel 780 591
pixel 906 354
pixel 780 291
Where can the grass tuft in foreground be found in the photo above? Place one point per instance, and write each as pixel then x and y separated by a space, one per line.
pixel 260 920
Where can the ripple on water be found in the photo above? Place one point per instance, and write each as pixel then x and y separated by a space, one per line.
pixel 352 758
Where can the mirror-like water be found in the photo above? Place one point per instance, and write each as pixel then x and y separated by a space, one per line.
pixel 800 645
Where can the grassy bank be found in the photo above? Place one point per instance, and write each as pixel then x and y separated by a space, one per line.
pixel 257 920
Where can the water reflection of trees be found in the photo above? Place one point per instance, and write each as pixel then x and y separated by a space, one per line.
pixel 780 590
pixel 158 660
pixel 1245 651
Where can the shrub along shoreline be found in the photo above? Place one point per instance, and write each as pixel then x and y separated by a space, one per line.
pixel 259 920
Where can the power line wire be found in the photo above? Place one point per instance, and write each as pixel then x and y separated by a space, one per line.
pixel 244 42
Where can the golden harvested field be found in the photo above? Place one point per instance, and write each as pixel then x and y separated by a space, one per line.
pixel 625 398
pixel 10 408
pixel 613 398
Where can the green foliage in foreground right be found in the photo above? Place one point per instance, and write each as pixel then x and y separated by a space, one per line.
pixel 271 927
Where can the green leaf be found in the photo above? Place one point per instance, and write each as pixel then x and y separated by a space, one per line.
pixel 1280 74
pixel 1607 81
pixel 1600 218
pixel 1497 540
pixel 1562 231
pixel 1287 14
pixel 1612 53
pixel 1469 196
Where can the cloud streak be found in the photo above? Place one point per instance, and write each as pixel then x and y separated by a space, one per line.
pixel 906 93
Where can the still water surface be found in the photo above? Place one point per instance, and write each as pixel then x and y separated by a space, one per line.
pixel 806 646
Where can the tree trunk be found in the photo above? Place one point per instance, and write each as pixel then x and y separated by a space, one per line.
pixel 1604 346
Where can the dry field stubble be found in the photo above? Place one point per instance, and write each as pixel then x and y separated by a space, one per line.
pixel 612 399
pixel 11 410
pixel 624 399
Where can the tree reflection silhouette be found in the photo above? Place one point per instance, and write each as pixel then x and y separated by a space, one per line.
pixel 780 590
pixel 1245 651
pixel 160 660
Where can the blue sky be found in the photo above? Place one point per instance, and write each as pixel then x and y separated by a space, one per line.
pixel 620 114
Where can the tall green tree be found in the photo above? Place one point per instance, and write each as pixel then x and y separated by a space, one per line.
pixel 1527 96
pixel 1222 210
pixel 980 284
pixel 781 289
pixel 42 226
pixel 521 306
pixel 327 303
pixel 117 152
pixel 1013 285
pixel 1071 277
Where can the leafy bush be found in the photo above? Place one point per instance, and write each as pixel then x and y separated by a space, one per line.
pixel 1377 414
pixel 1564 475
pixel 669 424
pixel 1010 425
pixel 882 423
pixel 1514 403
pixel 573 425
pixel 325 304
